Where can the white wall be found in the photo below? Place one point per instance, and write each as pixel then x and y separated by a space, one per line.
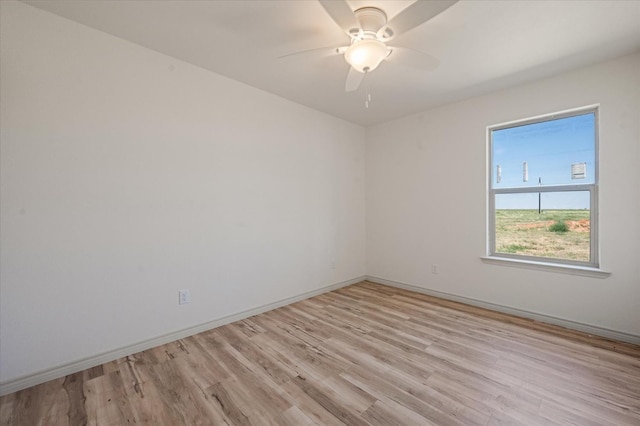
pixel 127 175
pixel 426 199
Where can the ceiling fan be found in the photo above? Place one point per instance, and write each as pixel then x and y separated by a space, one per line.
pixel 369 31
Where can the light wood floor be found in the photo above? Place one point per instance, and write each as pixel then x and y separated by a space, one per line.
pixel 365 354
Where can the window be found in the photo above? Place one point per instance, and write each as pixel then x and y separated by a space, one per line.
pixel 543 198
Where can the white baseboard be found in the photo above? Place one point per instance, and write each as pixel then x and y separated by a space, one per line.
pixel 585 328
pixel 92 361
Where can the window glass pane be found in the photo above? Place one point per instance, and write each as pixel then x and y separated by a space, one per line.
pixel 549 224
pixel 555 152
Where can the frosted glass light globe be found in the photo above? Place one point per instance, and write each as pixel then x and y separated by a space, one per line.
pixel 366 55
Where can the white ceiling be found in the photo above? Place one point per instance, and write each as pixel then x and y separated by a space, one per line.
pixel 482 46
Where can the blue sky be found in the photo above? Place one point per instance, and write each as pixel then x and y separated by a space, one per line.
pixel 549 148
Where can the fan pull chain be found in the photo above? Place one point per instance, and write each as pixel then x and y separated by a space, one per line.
pixel 368 99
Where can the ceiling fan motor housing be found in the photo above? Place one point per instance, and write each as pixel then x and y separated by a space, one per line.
pixel 371 19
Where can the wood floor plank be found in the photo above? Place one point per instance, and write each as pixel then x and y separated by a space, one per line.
pixel 74 387
pixel 361 355
pixel 389 412
pixel 310 407
pixel 396 394
pixel 294 416
pixel 107 401
pixel 329 400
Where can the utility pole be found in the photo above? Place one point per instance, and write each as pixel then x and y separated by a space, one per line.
pixel 539 196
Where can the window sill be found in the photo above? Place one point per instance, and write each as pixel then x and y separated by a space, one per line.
pixel 545 266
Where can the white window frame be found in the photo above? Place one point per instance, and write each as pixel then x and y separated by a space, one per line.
pixel 594 261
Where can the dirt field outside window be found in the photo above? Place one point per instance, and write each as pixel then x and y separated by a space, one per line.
pixel 560 234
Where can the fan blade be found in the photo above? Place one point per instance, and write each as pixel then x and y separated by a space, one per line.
pixel 354 78
pixel 417 13
pixel 325 51
pixel 341 13
pixel 413 58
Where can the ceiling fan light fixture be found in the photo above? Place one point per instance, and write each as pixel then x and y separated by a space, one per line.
pixel 366 55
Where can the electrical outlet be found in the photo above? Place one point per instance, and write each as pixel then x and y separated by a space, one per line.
pixel 434 269
pixel 184 297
